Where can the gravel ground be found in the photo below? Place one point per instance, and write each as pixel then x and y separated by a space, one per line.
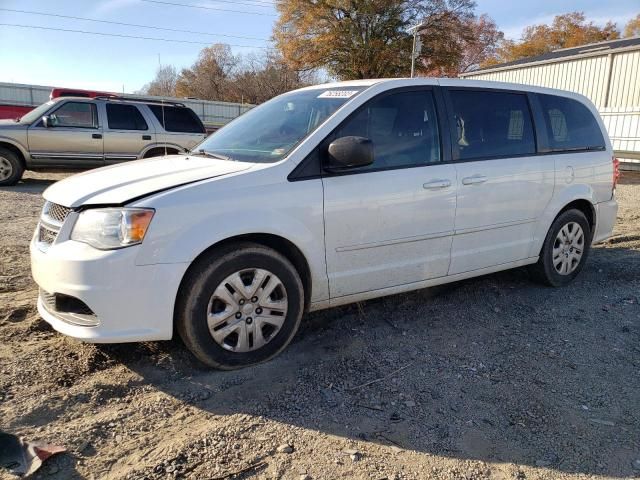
pixel 494 377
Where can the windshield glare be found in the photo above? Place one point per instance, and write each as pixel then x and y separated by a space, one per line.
pixel 267 133
pixel 36 113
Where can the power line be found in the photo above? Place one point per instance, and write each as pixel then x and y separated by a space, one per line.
pixel 38 27
pixel 252 3
pixel 30 12
pixel 203 7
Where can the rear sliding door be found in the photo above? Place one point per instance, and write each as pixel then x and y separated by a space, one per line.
pixel 503 184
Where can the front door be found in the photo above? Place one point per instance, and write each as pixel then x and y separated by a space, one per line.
pixel 503 186
pixel 390 223
pixel 72 139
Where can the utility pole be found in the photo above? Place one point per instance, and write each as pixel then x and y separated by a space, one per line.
pixel 413 49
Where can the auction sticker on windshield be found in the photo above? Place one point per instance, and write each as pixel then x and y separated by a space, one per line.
pixel 338 94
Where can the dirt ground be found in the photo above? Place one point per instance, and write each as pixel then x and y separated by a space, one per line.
pixel 494 377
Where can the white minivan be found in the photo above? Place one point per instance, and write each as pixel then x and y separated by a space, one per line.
pixel 323 196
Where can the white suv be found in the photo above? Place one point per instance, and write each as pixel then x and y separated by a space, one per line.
pixel 323 196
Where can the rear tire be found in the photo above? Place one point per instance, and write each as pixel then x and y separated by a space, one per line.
pixel 565 250
pixel 239 305
pixel 11 168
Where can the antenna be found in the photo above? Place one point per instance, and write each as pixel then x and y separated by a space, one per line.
pixel 164 124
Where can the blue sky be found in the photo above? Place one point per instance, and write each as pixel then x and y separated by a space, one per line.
pixel 70 59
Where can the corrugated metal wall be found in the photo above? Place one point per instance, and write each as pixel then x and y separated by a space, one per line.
pixel 623 125
pixel 587 76
pixel 625 80
pixel 619 107
pixel 211 113
pixel 23 95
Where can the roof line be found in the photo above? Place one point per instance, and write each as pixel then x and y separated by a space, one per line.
pixel 524 64
pixel 595 43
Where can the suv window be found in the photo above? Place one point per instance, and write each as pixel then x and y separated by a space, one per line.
pixel 570 124
pixel 402 126
pixel 75 114
pixel 177 119
pixel 125 117
pixel 492 124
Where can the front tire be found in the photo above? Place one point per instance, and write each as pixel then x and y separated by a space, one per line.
pixel 239 306
pixel 11 168
pixel 565 250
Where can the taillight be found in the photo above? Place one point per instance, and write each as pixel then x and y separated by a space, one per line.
pixel 616 172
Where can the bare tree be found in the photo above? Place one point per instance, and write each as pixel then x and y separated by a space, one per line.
pixel 261 77
pixel 164 83
pixel 209 77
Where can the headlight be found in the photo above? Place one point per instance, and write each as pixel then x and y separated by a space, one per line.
pixel 109 228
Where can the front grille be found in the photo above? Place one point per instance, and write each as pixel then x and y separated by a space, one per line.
pixel 46 236
pixel 55 212
pixel 51 221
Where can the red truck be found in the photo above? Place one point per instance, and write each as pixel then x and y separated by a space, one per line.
pixel 16 111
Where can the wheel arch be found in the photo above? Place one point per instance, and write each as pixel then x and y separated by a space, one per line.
pixel 280 244
pixel 16 150
pixel 580 202
pixel 158 150
pixel 586 207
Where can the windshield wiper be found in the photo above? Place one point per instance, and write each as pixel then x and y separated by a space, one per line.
pixel 210 154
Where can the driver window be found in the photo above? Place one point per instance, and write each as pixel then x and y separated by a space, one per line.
pixel 402 126
pixel 75 114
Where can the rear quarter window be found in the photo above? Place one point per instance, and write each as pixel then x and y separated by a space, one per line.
pixel 125 117
pixel 570 125
pixel 177 119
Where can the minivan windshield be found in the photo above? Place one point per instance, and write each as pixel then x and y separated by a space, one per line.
pixel 267 133
pixel 36 113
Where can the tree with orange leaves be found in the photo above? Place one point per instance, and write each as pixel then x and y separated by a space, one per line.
pixel 566 31
pixel 353 39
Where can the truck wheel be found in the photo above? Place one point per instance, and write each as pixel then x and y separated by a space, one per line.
pixel 11 168
pixel 239 306
pixel 565 250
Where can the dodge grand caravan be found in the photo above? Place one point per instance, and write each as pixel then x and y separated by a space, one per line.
pixel 324 196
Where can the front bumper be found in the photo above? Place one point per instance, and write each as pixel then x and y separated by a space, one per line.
pixel 131 303
pixel 606 214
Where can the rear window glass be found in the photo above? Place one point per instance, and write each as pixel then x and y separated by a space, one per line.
pixel 125 117
pixel 570 124
pixel 177 119
pixel 492 124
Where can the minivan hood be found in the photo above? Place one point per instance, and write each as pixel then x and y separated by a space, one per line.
pixel 118 184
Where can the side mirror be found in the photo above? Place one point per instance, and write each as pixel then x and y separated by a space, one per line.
pixel 48 121
pixel 350 152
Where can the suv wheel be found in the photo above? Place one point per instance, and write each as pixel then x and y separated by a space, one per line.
pixel 11 168
pixel 239 306
pixel 565 249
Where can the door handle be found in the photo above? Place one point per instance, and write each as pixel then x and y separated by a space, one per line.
pixel 146 137
pixel 474 180
pixel 96 135
pixel 436 184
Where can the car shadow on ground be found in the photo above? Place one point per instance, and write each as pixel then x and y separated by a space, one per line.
pixel 33 186
pixel 495 368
